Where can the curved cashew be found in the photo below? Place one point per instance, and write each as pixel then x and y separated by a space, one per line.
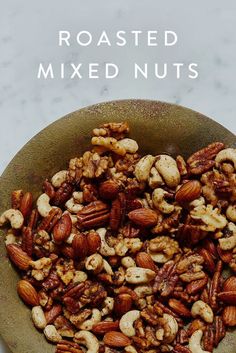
pixel 170 328
pixel 43 205
pixel 127 321
pixel 168 169
pixel 95 319
pixel 87 339
pixel 159 202
pixel 108 306
pixel 59 178
pixel 15 217
pixel 72 206
pixel 143 167
pixel 195 342
pixel 155 179
pixel 228 154
pixel 231 213
pixel 128 261
pixel 129 145
pixel 94 263
pixel 229 243
pixel 38 317
pixel 51 334
pixel 107 268
pixel 105 249
pixel 139 275
pixel 203 310
pixel 80 276
pixel 143 290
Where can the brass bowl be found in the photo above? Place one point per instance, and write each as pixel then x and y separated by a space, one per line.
pixel 157 127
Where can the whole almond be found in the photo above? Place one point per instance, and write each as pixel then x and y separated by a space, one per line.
pixel 105 326
pixel 62 229
pixel 230 284
pixel 179 308
pixel 229 316
pixel 18 256
pixel 143 217
pixel 188 192
pixel 228 297
pixel 27 293
pixel 93 241
pixel 116 339
pixel 26 204
pixel 109 189
pixel 80 246
pixel 144 260
pixel 123 303
pixel 53 313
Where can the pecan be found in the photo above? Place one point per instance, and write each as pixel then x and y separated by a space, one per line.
pixel 209 262
pixel 105 326
pixel 149 314
pixel 214 286
pixel 64 327
pixel 49 222
pixel 166 279
pixel 63 194
pixel 27 240
pixel 208 338
pixel 95 214
pixel 68 347
pixel 182 337
pixel 33 219
pixel 26 204
pixel 190 234
pixel 180 349
pixel 197 286
pixel 109 189
pixel 53 313
pixel 51 282
pixel 203 160
pixel 117 212
pixel 181 164
pixel 219 329
pixel 90 193
pixel 48 189
pixel 130 231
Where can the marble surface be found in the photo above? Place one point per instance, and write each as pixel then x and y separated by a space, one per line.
pixel 28 35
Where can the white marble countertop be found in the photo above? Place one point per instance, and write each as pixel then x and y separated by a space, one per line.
pixel 28 35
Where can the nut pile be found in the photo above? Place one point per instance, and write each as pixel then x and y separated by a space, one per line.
pixel 123 253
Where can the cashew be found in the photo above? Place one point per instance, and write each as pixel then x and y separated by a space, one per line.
pixel 203 310
pixel 129 349
pixel 95 319
pixel 127 321
pixel 94 263
pixel 143 167
pixel 105 249
pixel 154 179
pixel 137 275
pixel 121 248
pixel 128 261
pixel 87 339
pixel 195 342
pixel 129 145
pixel 72 206
pixel 211 218
pixel 229 243
pixel 38 317
pixel 43 205
pixel 78 196
pixel 228 154
pixel 170 328
pixel 231 213
pixel 159 202
pixel 167 167
pixel 143 290
pixel 59 178
pixel 133 244
pixel 15 217
pixel 107 268
pixel 10 237
pixel 51 334
pixel 110 143
pixel 80 276
pixel 108 306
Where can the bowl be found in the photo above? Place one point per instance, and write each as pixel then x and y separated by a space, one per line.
pixel 157 126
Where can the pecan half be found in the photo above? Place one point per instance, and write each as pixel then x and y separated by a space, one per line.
pixel 95 214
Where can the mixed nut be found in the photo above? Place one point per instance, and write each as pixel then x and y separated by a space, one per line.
pixel 123 253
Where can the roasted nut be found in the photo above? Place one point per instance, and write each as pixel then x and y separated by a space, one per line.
pixel 179 308
pixel 228 297
pixel 188 192
pixel 105 326
pixel 143 217
pixel 62 229
pixel 59 178
pixel 230 284
pixel 159 202
pixel 122 304
pixel 38 317
pixel 15 218
pixel 211 218
pixel 95 214
pixel 168 169
pixel 203 310
pixel 93 242
pixel 127 322
pixel 51 334
pixel 162 249
pixel 138 275
pixel 94 263
pixel 18 256
pixel 88 339
pixel 43 205
pixel 128 261
pixel 228 154
pixel 53 313
pixel 105 249
pixel 80 246
pixel 109 189
pixel 27 293
pixel 116 339
pixel 26 204
pixel 144 260
pixel 229 315
pixel 143 168
pixel 89 323
pixel 195 342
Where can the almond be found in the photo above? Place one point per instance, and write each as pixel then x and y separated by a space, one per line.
pixel 209 262
pixel 26 204
pixel 109 189
pixel 93 241
pixel 188 192
pixel 230 284
pixel 229 316
pixel 143 217
pixel 225 255
pixel 18 256
pixel 228 297
pixel 105 326
pixel 116 339
pixel 62 229
pixel 53 313
pixel 27 293
pixel 80 246
pixel 123 303
pixel 179 308
pixel 144 260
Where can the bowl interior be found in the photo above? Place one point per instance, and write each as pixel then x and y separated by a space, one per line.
pixel 158 127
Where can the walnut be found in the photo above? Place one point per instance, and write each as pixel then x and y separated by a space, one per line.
pixel 216 186
pixel 149 315
pixel 116 130
pixel 75 170
pixel 64 327
pixel 162 249
pixel 166 279
pixel 65 270
pixel 127 164
pixel 43 243
pixel 169 224
pixel 189 268
pixel 81 316
pixel 94 294
pixel 94 165
pixel 41 268
pixel 211 218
